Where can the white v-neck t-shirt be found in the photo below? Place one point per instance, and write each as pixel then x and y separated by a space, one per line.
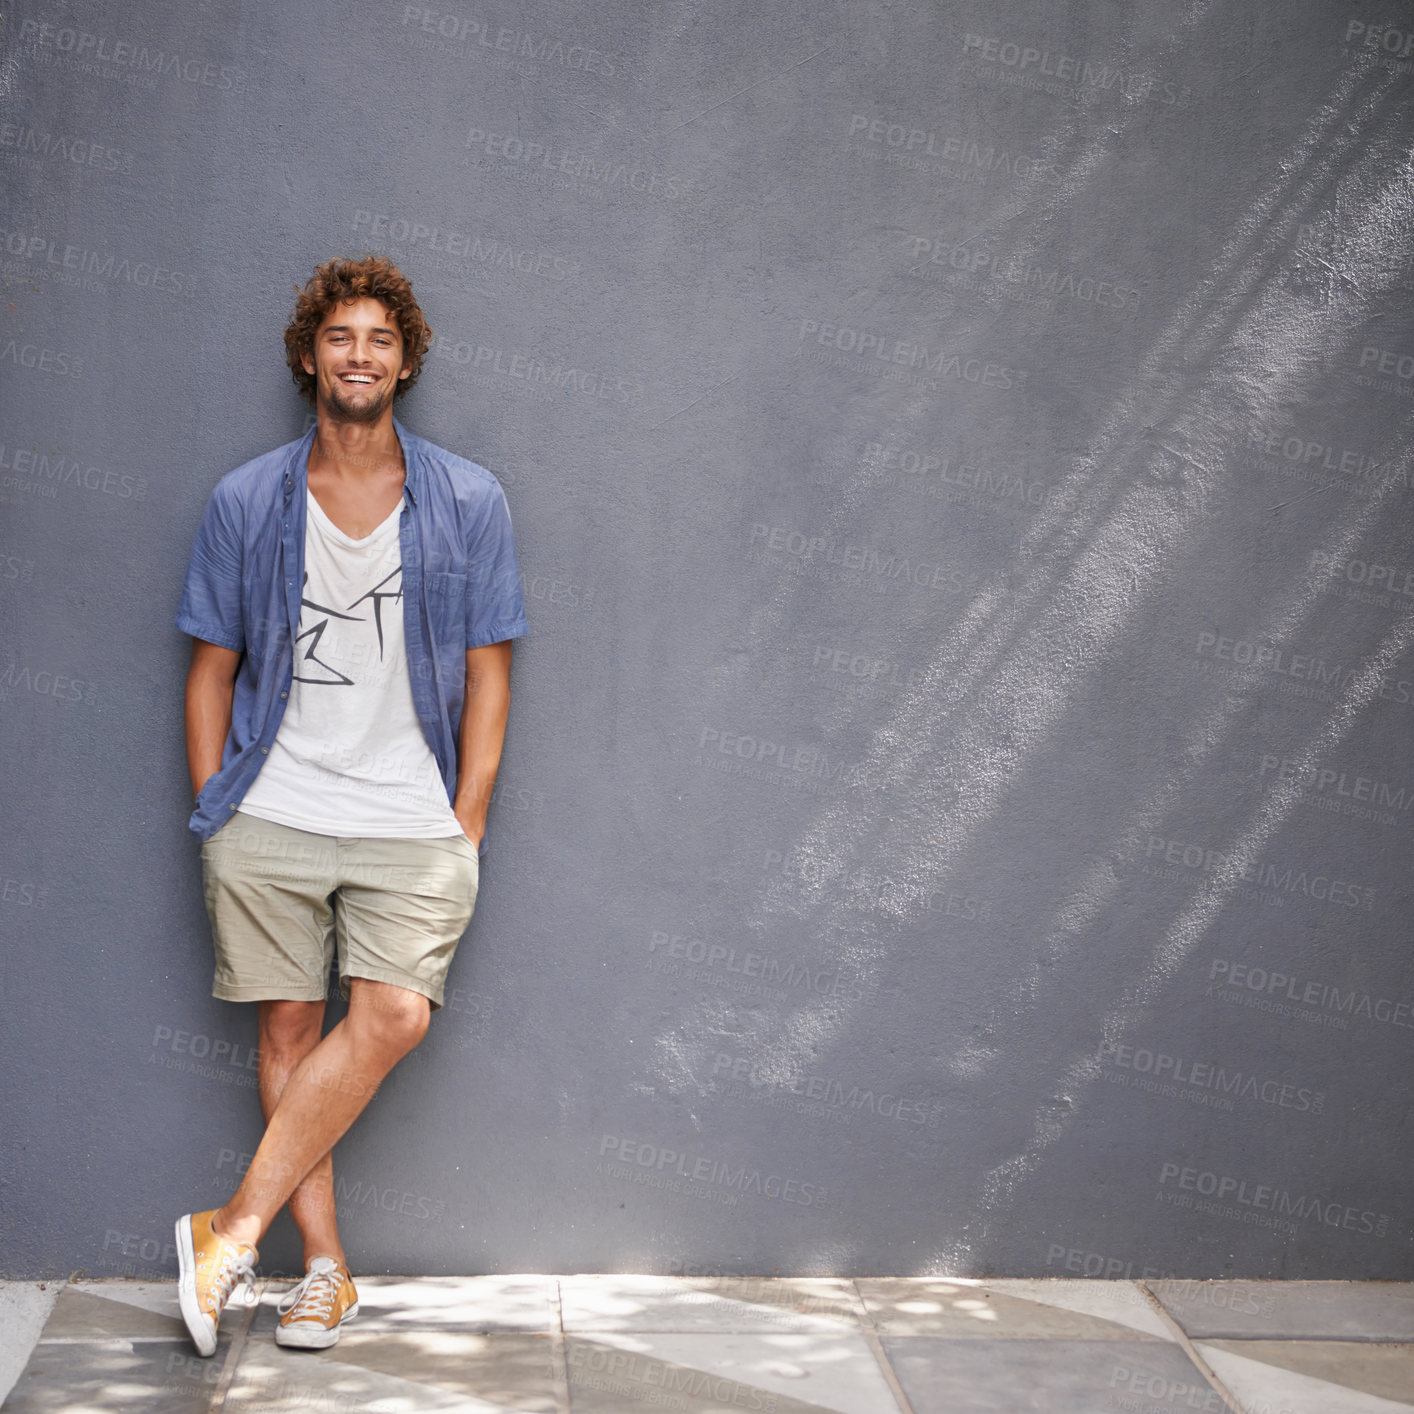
pixel 350 757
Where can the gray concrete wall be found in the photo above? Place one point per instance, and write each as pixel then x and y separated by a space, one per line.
pixel 957 804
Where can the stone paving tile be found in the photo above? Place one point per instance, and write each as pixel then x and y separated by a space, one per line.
pixel 490 1303
pixel 942 1376
pixel 120 1345
pixel 1291 1310
pixel 1314 1376
pixel 158 1296
pixel 412 1371
pixel 828 1298
pixel 491 1345
pixel 934 1306
pixel 645 1303
pixel 1122 1302
pixel 24 1308
pixel 83 1314
pixel 710 1371
pixel 122 1376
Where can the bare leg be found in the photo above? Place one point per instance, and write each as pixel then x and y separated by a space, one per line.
pixel 289 1031
pixel 323 1096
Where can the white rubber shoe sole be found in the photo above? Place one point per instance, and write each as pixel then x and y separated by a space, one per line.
pixel 307 1336
pixel 200 1326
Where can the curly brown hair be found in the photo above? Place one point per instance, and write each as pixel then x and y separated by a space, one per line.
pixel 342 281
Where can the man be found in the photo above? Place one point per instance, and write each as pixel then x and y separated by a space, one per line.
pixel 351 599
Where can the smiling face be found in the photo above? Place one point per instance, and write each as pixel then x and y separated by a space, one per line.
pixel 357 361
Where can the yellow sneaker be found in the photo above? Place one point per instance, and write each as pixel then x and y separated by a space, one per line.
pixel 210 1267
pixel 313 1311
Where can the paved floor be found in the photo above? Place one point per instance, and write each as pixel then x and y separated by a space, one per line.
pixel 607 1344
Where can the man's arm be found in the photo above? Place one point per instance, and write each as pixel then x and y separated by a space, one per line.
pixel 211 688
pixel 482 732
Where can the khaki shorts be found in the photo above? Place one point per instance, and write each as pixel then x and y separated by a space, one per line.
pixel 284 902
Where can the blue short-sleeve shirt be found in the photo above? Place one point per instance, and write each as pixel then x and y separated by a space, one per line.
pixel 461 589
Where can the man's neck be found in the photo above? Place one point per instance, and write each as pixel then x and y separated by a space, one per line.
pixel 355 451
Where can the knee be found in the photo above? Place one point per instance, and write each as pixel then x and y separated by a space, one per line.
pixel 290 1028
pixel 402 1030
pixel 394 1018
pixel 408 1031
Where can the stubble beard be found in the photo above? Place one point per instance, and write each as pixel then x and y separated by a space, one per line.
pixel 357 413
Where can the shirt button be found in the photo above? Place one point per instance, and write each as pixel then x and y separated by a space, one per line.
pixel 265 751
pixel 283 695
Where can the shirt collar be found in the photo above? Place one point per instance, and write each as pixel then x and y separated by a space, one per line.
pixel 297 467
pixel 412 463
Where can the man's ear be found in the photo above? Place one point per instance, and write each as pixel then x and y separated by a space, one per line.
pixel 307 361
pixel 407 368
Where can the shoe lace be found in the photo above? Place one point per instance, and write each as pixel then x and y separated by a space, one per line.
pixel 314 1296
pixel 234 1271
